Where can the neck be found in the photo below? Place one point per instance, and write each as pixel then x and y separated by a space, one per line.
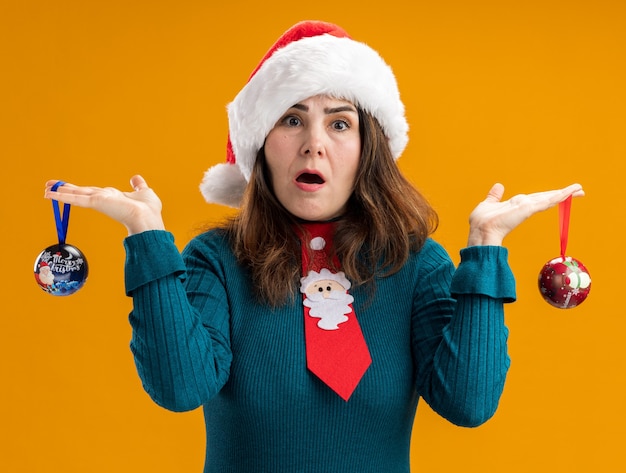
pixel 302 221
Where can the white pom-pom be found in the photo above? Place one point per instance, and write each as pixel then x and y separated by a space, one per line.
pixel 223 184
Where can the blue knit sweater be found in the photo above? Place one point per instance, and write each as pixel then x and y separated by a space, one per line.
pixel 200 339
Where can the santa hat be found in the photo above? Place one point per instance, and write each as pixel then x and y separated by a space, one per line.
pixel 311 58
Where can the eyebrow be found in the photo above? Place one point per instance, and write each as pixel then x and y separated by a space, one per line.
pixel 328 111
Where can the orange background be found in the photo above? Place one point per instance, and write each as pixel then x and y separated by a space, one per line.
pixel 531 94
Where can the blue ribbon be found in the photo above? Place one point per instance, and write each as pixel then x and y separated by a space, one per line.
pixel 62 221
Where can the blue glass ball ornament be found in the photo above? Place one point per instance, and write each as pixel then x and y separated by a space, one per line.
pixel 61 270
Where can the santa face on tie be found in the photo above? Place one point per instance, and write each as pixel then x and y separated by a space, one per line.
pixel 327 297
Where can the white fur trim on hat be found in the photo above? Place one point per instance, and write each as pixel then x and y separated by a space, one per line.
pixel 319 65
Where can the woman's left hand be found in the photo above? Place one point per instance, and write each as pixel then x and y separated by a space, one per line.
pixel 493 218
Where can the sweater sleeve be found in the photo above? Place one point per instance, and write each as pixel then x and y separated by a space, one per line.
pixel 180 340
pixel 459 335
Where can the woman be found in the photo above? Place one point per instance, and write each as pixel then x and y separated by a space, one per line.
pixel 331 381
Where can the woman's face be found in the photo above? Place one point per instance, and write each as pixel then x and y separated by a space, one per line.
pixel 313 155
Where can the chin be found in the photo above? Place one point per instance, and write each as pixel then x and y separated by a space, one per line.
pixel 316 216
pixel 313 211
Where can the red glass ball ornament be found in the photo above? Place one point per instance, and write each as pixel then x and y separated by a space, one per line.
pixel 564 282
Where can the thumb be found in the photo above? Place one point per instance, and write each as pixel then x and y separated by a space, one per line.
pixel 138 183
pixel 495 193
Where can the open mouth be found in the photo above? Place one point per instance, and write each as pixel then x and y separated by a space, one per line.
pixel 310 178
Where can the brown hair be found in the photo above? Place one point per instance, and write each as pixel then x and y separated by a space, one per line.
pixel 386 219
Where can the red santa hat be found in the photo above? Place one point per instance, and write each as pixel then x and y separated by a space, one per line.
pixel 311 58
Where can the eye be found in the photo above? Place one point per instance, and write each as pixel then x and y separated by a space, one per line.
pixel 340 125
pixel 320 289
pixel 328 288
pixel 291 120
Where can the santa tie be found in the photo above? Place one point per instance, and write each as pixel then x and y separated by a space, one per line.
pixel 335 347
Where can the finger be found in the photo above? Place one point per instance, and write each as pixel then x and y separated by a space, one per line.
pixel 557 196
pixel 138 183
pixel 575 190
pixel 495 193
pixel 68 189
pixel 80 200
pixel 541 201
pixel 51 183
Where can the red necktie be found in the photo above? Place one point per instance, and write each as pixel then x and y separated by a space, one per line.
pixel 335 347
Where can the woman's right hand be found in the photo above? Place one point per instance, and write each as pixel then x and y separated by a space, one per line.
pixel 138 211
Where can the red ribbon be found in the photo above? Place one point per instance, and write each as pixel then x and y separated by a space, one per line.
pixel 564 213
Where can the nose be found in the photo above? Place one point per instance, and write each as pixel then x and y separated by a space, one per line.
pixel 313 144
pixel 312 151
